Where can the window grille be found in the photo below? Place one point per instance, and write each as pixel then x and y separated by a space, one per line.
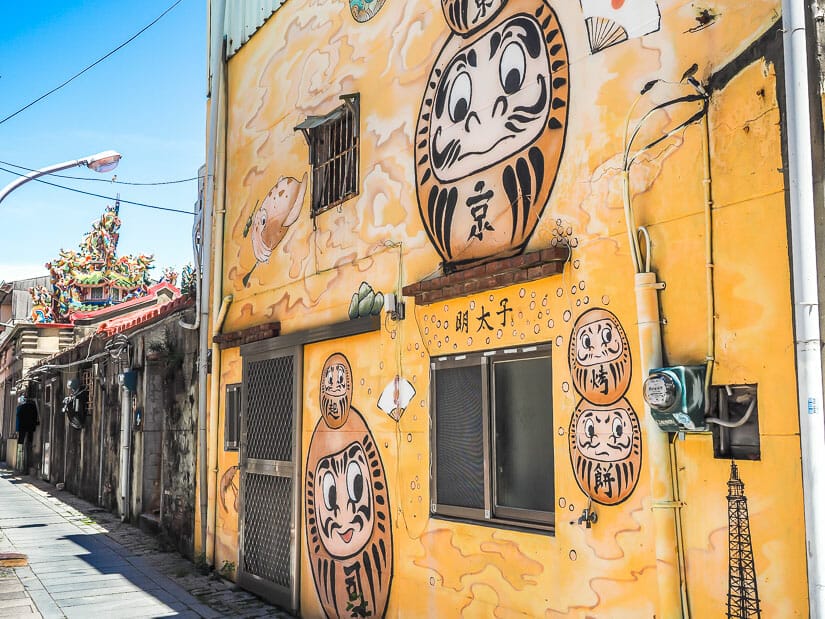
pixel 232 417
pixel 88 380
pixel 97 294
pixel 492 437
pixel 334 154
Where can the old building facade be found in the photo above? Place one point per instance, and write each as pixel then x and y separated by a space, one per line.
pixel 449 244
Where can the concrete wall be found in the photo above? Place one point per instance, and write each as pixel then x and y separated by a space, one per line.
pixel 87 461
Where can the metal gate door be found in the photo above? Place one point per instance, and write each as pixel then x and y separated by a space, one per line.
pixel 270 476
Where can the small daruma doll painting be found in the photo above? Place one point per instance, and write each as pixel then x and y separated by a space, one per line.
pixel 349 536
pixel 599 359
pixel 491 128
pixel 606 450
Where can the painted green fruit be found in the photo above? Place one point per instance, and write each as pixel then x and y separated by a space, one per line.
pixel 364 290
pixel 365 306
pixel 377 304
pixel 353 307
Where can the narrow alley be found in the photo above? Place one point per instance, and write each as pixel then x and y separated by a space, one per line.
pixel 83 562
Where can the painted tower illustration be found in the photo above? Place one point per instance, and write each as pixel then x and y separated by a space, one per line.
pixel 743 598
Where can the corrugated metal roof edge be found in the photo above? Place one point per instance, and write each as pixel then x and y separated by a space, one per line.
pixel 243 19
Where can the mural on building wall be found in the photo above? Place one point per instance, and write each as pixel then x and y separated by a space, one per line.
pixel 229 487
pixel 606 450
pixel 743 594
pixel 365 302
pixel 609 22
pixel 364 10
pixel 396 396
pixel 600 363
pixel 605 435
pixel 491 130
pixel 456 568
pixel 278 211
pixel 348 521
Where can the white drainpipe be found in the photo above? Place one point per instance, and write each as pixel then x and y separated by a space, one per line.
pixel 125 450
pixel 805 294
pixel 217 9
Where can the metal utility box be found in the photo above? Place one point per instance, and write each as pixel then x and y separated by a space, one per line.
pixel 676 396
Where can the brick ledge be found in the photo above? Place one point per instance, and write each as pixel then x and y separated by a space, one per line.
pixel 496 274
pixel 247 336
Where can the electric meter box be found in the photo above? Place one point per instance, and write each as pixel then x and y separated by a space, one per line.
pixel 676 396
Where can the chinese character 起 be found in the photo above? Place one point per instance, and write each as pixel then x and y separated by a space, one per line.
pixel 357 605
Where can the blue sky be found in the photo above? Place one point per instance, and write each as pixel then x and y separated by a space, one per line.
pixel 147 101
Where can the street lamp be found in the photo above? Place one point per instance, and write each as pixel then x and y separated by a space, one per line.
pixel 101 162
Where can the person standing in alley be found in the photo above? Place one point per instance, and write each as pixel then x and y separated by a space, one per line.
pixel 27 422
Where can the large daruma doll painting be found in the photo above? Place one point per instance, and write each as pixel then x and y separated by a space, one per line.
pixel 348 521
pixel 491 130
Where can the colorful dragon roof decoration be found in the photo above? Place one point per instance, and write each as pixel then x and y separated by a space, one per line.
pixel 94 276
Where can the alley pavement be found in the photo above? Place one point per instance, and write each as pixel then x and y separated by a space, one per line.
pixel 83 562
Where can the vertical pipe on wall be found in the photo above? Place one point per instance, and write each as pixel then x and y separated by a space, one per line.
pixel 219 307
pixel 214 406
pixel 805 294
pixel 125 451
pixel 102 409
pixel 664 502
pixel 215 55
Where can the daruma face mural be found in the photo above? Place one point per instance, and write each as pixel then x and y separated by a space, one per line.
pixel 605 450
pixel 349 533
pixel 491 129
pixel 465 17
pixel 336 390
pixel 600 364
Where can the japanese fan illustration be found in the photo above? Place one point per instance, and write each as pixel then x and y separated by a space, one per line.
pixel 609 22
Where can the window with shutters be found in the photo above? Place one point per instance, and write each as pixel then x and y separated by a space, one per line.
pixel 333 141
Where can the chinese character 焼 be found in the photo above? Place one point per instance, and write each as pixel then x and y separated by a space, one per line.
pixel 600 381
pixel 479 203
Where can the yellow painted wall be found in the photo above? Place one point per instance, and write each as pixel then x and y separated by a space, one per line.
pixel 307 55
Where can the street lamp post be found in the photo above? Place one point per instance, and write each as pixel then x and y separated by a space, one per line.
pixel 101 162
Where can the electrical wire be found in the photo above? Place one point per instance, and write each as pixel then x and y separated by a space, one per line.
pixel 97 195
pixel 105 180
pixel 96 62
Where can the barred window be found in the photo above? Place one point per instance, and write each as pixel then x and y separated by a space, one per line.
pixel 88 380
pixel 333 153
pixel 492 437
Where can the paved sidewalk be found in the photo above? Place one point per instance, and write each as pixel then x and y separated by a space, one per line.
pixel 83 562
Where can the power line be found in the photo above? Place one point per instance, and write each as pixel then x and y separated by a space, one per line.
pixel 97 195
pixel 96 62
pixel 104 180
